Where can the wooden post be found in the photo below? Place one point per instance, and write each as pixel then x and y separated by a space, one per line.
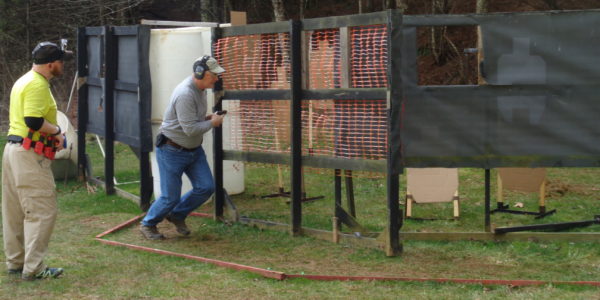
pixel 296 123
pixel 218 144
pixel 82 102
pixel 488 226
pixel 336 230
pixel 350 192
pixel 345 77
pixel 499 192
pixel 409 203
pixel 110 62
pixel 394 155
pixel 456 204
pixel 337 185
pixel 543 197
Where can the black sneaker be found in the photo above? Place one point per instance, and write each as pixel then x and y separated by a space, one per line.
pixel 179 225
pixel 151 232
pixel 47 273
pixel 15 271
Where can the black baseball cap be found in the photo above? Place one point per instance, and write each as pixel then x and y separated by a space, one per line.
pixel 47 52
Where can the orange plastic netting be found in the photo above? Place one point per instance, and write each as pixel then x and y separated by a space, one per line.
pixel 338 128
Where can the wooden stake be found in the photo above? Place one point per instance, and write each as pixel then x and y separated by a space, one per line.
pixel 543 197
pixel 499 192
pixel 409 202
pixel 279 171
pixel 456 205
pixel 336 230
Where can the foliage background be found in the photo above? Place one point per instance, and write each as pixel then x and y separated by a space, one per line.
pixel 24 23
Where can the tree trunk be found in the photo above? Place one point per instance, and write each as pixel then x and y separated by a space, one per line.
pixel 360 8
pixel 227 8
pixel 369 6
pixel 552 4
pixel 438 33
pixel 481 7
pixel 205 8
pixel 27 20
pixel 219 12
pixel 278 10
pixel 101 11
pixel 395 4
pixel 401 5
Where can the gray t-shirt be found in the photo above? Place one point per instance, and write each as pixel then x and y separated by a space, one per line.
pixel 184 120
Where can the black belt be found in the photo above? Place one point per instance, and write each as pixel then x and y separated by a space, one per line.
pixel 15 139
pixel 170 142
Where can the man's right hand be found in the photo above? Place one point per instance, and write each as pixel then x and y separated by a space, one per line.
pixel 216 120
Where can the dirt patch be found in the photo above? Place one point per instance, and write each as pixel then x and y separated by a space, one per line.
pixel 556 189
pixel 243 245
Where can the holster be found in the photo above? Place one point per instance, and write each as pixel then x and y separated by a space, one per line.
pixel 161 139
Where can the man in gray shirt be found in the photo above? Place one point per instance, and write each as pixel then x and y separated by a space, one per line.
pixel 179 150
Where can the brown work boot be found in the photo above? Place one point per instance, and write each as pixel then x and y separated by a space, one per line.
pixel 151 232
pixel 180 225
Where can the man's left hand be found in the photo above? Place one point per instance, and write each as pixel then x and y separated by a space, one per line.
pixel 59 140
pixel 216 119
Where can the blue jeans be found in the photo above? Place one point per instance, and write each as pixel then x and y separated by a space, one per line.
pixel 172 164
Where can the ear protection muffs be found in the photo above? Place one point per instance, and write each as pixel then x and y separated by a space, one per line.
pixel 200 67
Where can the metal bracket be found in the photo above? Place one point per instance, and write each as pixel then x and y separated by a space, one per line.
pixel 549 227
pixel 282 193
pixel 503 208
pixel 232 213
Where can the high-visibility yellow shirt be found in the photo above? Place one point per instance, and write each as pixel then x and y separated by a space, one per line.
pixel 30 97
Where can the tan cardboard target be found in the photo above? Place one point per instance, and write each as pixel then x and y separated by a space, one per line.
pixel 522 179
pixel 432 185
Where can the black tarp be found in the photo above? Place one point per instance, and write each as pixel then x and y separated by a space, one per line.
pixel 540 107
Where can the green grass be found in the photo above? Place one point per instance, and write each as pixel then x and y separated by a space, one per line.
pixel 97 271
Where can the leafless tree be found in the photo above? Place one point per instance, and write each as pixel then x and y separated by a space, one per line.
pixel 395 4
pixel 205 8
pixel 552 4
pixel 402 5
pixel 278 10
pixel 437 41
pixel 369 5
pixel 481 6
pixel 25 23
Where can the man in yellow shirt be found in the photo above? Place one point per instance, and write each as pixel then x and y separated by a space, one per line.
pixel 28 190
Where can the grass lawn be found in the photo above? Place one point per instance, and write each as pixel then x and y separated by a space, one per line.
pixel 97 271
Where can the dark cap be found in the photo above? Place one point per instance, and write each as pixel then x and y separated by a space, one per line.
pixel 47 52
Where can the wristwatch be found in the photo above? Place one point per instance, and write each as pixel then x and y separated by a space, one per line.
pixel 58 132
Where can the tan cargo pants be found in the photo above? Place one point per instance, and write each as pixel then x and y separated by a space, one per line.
pixel 28 208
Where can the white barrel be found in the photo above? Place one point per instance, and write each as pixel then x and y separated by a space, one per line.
pixel 172 54
pixel 64 165
pixel 70 152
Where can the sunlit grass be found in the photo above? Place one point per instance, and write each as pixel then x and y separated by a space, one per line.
pixel 98 271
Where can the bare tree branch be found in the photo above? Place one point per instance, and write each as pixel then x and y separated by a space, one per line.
pixel 278 10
